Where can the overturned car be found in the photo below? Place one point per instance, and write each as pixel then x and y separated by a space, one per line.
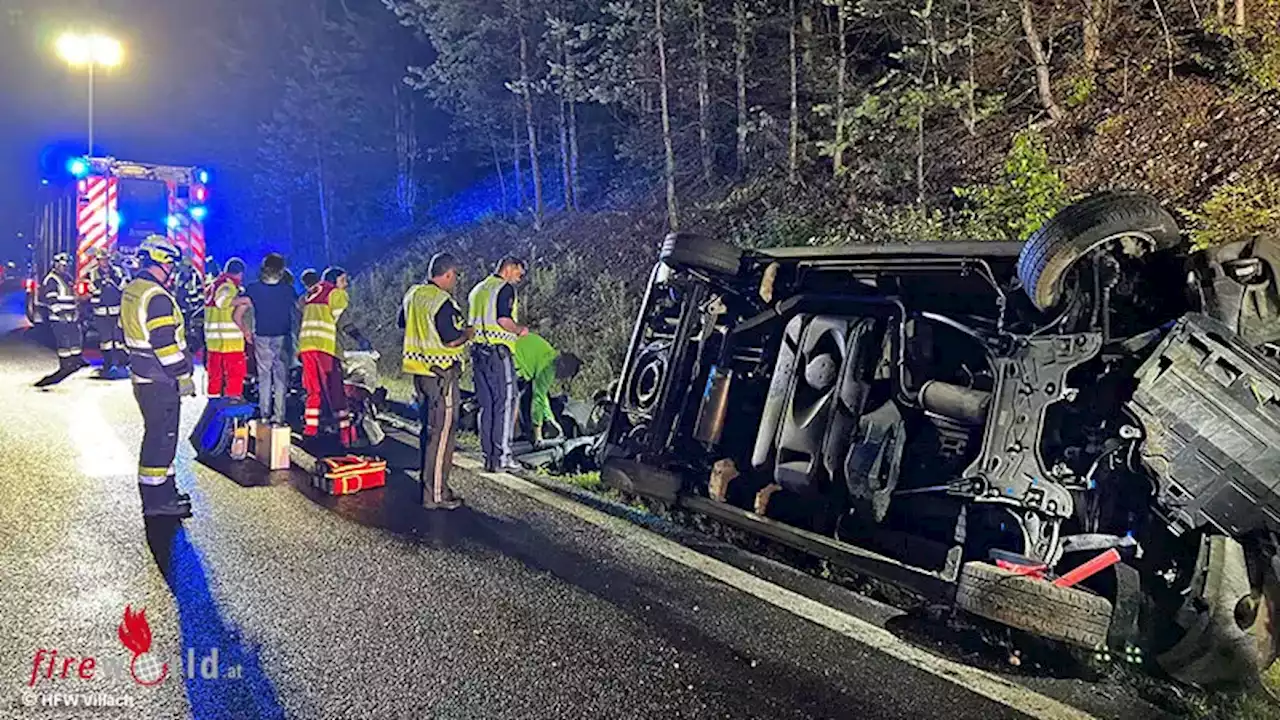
pixel 1078 436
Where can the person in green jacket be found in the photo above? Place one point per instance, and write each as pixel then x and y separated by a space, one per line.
pixel 540 364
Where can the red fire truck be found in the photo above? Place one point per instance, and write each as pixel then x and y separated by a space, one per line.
pixel 115 204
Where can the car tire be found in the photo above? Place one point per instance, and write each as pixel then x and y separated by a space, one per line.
pixel 1070 615
pixel 1052 252
pixel 686 251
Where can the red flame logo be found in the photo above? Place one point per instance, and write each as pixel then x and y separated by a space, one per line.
pixel 135 634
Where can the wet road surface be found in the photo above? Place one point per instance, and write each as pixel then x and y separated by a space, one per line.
pixel 367 606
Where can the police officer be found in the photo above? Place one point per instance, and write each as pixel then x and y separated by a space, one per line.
pixel 493 312
pixel 435 333
pixel 58 295
pixel 155 337
pixel 106 284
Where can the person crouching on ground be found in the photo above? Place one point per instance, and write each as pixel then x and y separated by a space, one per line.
pixel 273 299
pixel 435 334
pixel 225 332
pixel 540 365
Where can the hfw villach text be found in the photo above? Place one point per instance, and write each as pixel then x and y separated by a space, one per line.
pixel 143 666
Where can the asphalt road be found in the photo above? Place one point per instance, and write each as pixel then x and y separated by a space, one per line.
pixel 367 606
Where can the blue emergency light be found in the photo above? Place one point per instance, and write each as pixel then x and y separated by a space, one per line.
pixel 203 177
pixel 115 218
pixel 78 167
pixel 172 221
pixel 199 212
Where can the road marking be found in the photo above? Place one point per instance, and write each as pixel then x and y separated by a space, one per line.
pixel 992 687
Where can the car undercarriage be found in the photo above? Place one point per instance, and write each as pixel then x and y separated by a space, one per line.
pixel 1078 436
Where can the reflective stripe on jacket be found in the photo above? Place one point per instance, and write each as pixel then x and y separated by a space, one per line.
pixel 56 292
pixel 105 288
pixel 153 332
pixel 321 308
pixel 483 313
pixel 424 350
pixel 221 334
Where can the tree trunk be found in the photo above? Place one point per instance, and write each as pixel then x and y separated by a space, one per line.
pixel 704 89
pixel 566 175
pixel 971 87
pixel 1240 19
pixel 741 33
pixel 1220 12
pixel 837 158
pixel 793 150
pixel 673 218
pixel 1092 40
pixel 502 179
pixel 406 154
pixel 573 130
pixel 515 162
pixel 1044 83
pixel 806 38
pixel 322 193
pixel 529 122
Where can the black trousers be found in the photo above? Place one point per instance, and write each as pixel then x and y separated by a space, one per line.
pixel 110 339
pixel 439 399
pixel 161 407
pixel 67 336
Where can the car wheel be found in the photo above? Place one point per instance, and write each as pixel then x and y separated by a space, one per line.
pixel 1137 221
pixel 1036 606
pixel 686 251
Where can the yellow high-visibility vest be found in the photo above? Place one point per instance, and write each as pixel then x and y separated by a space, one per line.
pixel 321 309
pixel 483 314
pixel 424 350
pixel 146 361
pixel 221 334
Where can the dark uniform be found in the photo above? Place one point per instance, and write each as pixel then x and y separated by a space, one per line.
pixel 107 288
pixel 432 322
pixel 494 368
pixel 57 294
pixel 154 335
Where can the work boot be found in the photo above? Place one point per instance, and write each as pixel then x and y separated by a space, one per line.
pixel 450 502
pixel 164 501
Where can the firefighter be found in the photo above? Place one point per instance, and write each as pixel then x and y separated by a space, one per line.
pixel 435 333
pixel 106 284
pixel 322 308
pixel 155 337
pixel 225 332
pixel 58 295
pixel 494 309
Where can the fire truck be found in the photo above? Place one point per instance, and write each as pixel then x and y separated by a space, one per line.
pixel 103 202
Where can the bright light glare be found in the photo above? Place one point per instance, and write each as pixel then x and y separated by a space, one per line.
pixel 172 221
pixel 198 212
pixel 77 167
pixel 78 50
pixel 203 176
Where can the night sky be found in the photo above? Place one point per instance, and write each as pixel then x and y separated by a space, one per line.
pixel 157 107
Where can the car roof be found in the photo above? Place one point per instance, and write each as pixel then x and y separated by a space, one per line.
pixel 993 249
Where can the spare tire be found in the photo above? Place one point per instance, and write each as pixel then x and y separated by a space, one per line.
pixel 1049 255
pixel 1036 606
pixel 686 251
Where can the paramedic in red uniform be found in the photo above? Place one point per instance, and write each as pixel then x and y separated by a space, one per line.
pixel 224 332
pixel 322 308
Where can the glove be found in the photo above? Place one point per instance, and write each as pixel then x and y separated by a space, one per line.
pixel 365 345
pixel 186 386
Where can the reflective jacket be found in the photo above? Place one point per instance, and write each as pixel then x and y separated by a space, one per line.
pixel 221 334
pixel 321 308
pixel 106 286
pixel 153 332
pixel 59 297
pixel 483 314
pixel 424 351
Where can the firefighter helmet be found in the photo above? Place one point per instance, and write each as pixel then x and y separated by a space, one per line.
pixel 157 249
pixel 62 259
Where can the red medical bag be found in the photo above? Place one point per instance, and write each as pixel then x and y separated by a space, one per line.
pixel 348 474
